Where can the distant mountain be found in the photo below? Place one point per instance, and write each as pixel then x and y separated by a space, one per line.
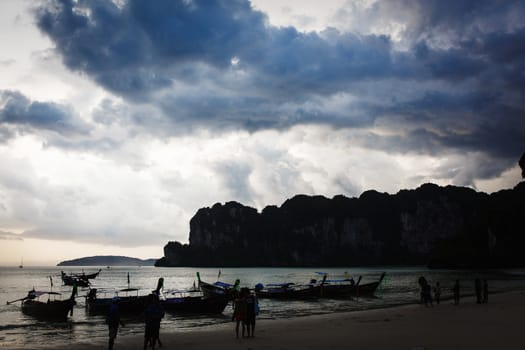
pixel 108 260
pixel 442 227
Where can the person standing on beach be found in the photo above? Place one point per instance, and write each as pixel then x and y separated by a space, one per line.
pixel 437 292
pixel 153 314
pixel 252 309
pixel 113 321
pixel 485 291
pixel 239 313
pixel 477 285
pixel 455 291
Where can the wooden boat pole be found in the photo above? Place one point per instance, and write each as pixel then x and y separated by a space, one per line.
pixel 14 301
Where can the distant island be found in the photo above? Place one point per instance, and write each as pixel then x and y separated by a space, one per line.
pixel 108 260
pixel 441 227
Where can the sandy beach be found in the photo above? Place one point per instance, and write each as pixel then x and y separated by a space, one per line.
pixel 496 325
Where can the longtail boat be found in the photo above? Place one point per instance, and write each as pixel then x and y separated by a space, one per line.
pixel 98 301
pixel 51 309
pixel 218 288
pixel 347 288
pixel 71 280
pixel 129 300
pixel 84 276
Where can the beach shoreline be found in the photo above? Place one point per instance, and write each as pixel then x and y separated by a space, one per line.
pixel 493 325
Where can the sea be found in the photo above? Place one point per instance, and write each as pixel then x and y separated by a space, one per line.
pixel 399 287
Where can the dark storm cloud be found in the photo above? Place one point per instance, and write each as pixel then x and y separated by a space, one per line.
pixel 18 111
pixel 219 63
pixel 144 46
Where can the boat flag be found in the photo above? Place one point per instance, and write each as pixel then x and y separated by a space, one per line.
pixel 51 280
pixel 128 280
pixel 219 276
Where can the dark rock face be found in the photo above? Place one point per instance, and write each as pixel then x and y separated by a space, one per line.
pixel 439 226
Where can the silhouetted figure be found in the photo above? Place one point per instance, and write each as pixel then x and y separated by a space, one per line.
pixel 113 321
pixel 455 291
pixel 252 310
pixel 422 283
pixel 437 293
pixel 426 291
pixel 428 295
pixel 239 312
pixel 477 285
pixel 153 314
pixel 485 291
pixel 522 165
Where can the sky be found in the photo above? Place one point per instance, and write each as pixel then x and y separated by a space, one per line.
pixel 120 119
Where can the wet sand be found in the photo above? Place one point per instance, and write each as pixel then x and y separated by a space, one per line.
pixel 495 325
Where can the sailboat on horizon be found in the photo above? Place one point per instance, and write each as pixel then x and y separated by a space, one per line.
pixel 21 263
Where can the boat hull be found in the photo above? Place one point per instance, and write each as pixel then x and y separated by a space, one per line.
pixel 349 290
pixel 72 280
pixel 288 293
pixel 196 304
pixel 130 305
pixel 56 310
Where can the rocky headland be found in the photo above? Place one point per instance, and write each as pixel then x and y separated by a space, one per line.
pixel 442 227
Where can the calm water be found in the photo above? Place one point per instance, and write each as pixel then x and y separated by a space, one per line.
pixel 399 287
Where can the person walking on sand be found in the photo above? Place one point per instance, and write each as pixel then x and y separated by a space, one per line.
pixel 485 291
pixel 455 291
pixel 437 293
pixel 239 312
pixel 113 321
pixel 252 309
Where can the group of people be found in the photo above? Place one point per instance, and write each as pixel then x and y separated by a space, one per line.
pixel 153 314
pixel 245 309
pixel 482 291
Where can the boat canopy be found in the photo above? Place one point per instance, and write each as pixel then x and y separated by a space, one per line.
pixel 284 285
pixel 37 293
pixel 338 281
pixel 223 284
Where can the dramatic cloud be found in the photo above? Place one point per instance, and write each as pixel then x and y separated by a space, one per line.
pixel 18 111
pixel 125 117
pixel 221 64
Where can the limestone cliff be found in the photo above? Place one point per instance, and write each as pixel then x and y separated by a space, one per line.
pixel 440 226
